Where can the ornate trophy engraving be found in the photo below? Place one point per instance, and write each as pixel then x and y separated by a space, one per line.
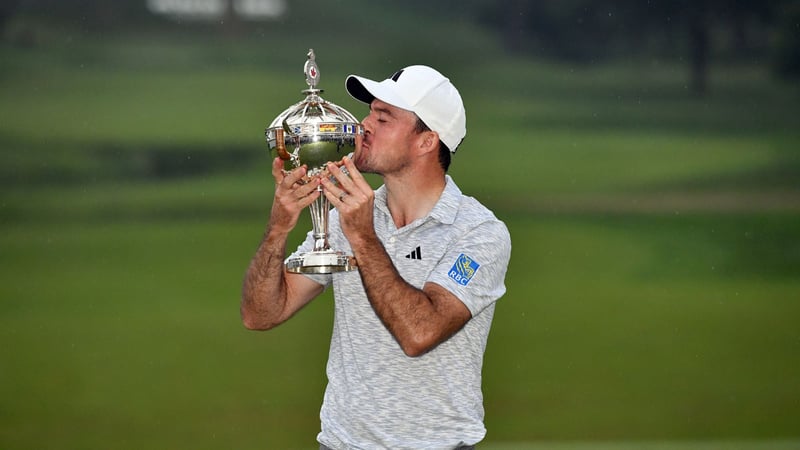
pixel 314 132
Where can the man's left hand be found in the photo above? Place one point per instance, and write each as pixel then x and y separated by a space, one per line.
pixel 353 197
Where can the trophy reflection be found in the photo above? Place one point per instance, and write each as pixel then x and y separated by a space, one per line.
pixel 314 132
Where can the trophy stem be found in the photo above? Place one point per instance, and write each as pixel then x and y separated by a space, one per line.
pixel 319 220
pixel 322 259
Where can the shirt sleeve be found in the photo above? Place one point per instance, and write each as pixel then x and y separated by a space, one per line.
pixel 474 267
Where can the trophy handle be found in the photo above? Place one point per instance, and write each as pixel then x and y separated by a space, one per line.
pixel 280 145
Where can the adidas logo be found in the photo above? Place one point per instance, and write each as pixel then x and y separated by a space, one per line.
pixel 416 254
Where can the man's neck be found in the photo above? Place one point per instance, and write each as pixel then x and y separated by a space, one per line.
pixel 409 201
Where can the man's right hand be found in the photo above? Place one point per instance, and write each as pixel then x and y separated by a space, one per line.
pixel 293 192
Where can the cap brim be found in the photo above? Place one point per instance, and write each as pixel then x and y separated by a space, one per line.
pixel 366 90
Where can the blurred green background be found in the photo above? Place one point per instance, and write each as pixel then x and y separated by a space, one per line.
pixel 643 155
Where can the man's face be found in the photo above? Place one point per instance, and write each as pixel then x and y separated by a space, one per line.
pixel 388 138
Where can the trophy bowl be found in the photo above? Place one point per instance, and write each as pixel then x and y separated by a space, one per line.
pixel 313 132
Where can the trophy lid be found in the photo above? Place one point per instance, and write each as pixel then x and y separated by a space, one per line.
pixel 298 133
pixel 313 110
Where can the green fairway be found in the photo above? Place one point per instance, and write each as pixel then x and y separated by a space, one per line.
pixel 652 294
pixel 117 325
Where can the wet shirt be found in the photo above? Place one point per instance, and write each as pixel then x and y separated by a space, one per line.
pixel 378 397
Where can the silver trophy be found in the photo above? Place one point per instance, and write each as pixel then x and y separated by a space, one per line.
pixel 314 132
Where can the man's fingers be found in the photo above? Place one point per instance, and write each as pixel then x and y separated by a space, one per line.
pixel 307 188
pixel 295 176
pixel 277 169
pixel 308 198
pixel 355 175
pixel 291 186
pixel 349 178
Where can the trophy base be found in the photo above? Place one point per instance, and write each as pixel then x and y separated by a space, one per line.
pixel 321 262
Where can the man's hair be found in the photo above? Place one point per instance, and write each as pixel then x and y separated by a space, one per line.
pixel 444 152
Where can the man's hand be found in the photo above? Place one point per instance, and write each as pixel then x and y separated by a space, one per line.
pixel 353 197
pixel 293 192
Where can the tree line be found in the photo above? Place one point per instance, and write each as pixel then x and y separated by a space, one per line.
pixel 584 31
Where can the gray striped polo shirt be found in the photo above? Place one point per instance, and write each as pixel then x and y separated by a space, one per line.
pixel 377 397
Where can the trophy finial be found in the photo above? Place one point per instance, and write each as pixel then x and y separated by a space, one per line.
pixel 311 70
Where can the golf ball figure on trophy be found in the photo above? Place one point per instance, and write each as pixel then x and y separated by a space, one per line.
pixel 314 132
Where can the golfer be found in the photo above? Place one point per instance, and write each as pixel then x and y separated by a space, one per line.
pixel 411 324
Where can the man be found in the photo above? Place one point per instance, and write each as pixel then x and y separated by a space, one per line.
pixel 411 324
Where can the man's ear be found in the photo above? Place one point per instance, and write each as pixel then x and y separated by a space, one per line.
pixel 429 141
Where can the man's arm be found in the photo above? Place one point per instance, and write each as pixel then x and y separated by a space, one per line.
pixel 419 319
pixel 270 295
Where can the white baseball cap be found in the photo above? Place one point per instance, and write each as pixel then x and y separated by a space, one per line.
pixel 423 91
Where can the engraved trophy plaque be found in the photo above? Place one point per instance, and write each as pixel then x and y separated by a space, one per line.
pixel 314 132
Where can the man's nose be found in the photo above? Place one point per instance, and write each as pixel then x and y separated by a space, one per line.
pixel 367 124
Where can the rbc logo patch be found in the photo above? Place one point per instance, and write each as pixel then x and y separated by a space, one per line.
pixel 463 269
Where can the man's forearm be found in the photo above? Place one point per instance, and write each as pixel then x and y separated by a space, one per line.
pixel 407 312
pixel 264 288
